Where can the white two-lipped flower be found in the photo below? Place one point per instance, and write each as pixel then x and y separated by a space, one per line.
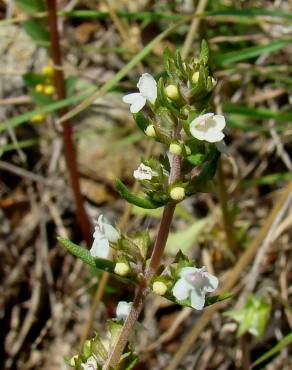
pixel 123 309
pixel 208 127
pixel 104 233
pixel 147 91
pixel 193 284
pixel 90 364
pixel 144 172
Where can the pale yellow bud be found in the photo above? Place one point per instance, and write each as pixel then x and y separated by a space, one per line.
pixel 39 88
pixel 38 118
pixel 177 193
pixel 214 81
pixel 73 359
pixel 175 149
pixel 49 90
pixel 150 131
pixel 48 70
pixel 159 288
pixel 188 150
pixel 122 269
pixel 195 77
pixel 172 92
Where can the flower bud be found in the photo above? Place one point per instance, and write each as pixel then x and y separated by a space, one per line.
pixel 48 70
pixel 159 287
pixel 214 82
pixel 49 90
pixel 175 148
pixel 73 360
pixel 150 131
pixel 195 77
pixel 122 268
pixel 172 92
pixel 87 348
pixel 188 150
pixel 37 118
pixel 39 88
pixel 177 193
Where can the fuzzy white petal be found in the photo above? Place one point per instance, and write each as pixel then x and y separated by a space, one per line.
pixel 138 104
pixel 198 133
pixel 188 270
pixel 123 309
pixel 213 136
pixel 90 364
pixel 197 299
pixel 211 282
pixel 220 122
pixel 111 233
pixel 148 87
pixel 130 98
pixel 100 247
pixel 181 289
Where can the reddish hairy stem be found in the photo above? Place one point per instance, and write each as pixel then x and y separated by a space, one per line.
pixel 67 129
pixel 158 249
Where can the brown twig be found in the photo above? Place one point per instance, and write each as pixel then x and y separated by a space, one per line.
pixel 67 129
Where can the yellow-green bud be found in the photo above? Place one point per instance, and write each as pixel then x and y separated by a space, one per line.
pixel 150 131
pixel 122 269
pixel 175 148
pixel 37 118
pixel 172 92
pixel 49 90
pixel 188 150
pixel 48 70
pixel 72 360
pixel 159 287
pixel 177 193
pixel 195 77
pixel 87 350
pixel 39 88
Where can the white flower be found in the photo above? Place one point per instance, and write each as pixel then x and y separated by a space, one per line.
pixel 144 172
pixel 103 234
pixel 194 284
pixel 123 309
pixel 208 127
pixel 90 364
pixel 147 91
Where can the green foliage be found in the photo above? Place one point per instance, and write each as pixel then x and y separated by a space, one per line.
pixel 31 6
pixel 134 199
pixel 252 318
pixel 36 31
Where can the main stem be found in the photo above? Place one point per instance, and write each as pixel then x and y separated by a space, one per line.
pixel 158 249
pixel 67 129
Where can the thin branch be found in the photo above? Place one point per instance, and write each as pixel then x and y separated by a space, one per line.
pixel 155 259
pixel 67 129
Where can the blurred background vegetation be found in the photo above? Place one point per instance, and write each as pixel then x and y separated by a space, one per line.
pixel 48 298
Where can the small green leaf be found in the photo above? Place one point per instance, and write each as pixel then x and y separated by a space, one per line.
pixel 134 199
pixel 85 256
pixel 32 79
pixel 141 121
pixel 31 6
pixel 204 56
pixel 196 159
pixel 253 317
pixel 36 31
pixel 41 99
